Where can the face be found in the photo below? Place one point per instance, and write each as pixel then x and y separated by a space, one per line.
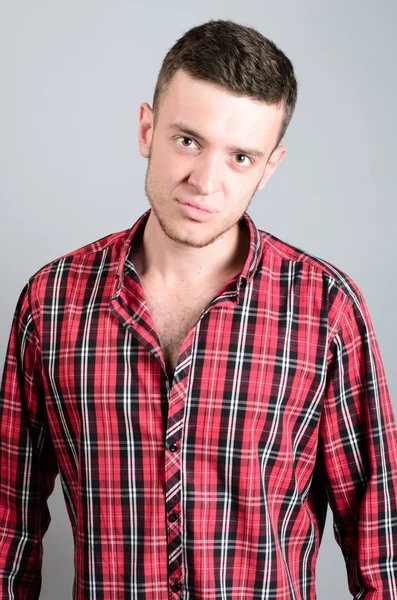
pixel 210 148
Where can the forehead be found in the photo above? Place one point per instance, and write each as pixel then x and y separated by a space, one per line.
pixel 185 93
pixel 214 111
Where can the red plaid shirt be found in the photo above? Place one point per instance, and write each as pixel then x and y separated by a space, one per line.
pixel 214 485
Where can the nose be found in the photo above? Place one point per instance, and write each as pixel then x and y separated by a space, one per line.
pixel 206 174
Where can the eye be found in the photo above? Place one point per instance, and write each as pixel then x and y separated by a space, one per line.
pixel 248 161
pixel 184 139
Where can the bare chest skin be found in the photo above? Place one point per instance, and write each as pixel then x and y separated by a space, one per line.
pixel 175 310
pixel 174 314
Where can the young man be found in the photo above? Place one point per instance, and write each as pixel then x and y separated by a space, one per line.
pixel 203 388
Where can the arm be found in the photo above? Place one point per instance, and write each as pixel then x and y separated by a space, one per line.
pixel 358 454
pixel 28 465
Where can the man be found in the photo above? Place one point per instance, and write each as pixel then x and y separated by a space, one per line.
pixel 203 388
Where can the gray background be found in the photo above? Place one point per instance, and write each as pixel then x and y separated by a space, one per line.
pixel 73 75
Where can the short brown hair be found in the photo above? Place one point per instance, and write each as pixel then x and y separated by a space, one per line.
pixel 237 58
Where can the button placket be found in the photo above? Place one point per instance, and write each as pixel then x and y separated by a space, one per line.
pixel 176 407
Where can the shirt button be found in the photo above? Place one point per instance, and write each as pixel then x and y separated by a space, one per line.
pixel 173 517
pixel 173 447
pixel 176 587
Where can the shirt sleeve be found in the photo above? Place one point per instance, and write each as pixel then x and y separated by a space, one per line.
pixel 358 457
pixel 28 464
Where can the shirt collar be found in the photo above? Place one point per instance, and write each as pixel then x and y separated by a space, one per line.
pixel 247 272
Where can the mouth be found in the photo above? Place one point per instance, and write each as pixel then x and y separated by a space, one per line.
pixel 197 206
pixel 197 213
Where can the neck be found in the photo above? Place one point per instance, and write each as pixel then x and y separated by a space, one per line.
pixel 172 264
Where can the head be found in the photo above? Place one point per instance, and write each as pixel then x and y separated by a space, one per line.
pixel 223 100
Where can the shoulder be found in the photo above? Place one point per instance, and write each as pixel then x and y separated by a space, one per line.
pixel 63 272
pixel 109 241
pixel 343 291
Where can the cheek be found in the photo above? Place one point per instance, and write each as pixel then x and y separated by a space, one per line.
pixel 177 171
pixel 239 194
pixel 164 170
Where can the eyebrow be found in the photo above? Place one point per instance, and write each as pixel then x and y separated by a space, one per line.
pixel 178 126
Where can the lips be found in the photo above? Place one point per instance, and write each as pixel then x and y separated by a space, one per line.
pixel 198 205
pixel 195 214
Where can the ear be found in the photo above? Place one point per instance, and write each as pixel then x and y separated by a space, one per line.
pixel 272 164
pixel 145 130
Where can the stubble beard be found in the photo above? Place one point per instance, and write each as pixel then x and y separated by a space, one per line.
pixel 156 202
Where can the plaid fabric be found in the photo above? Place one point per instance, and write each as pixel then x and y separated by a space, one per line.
pixel 214 485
